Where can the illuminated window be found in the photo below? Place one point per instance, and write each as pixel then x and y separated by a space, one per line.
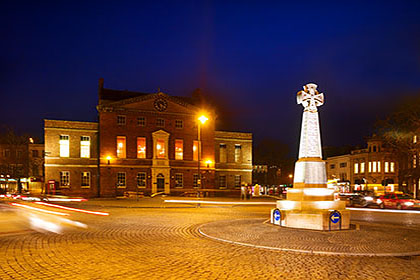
pixel 414 161
pixel 379 166
pixel 238 179
pixel 415 139
pixel 195 180
pixel 374 166
pixel 120 120
pixel 141 121
pixel 238 153
pixel 160 148
pixel 84 146
pixel 362 167
pixel 179 149
pixel 64 178
pixel 121 179
pixel 141 147
pixel 141 179
pixel 160 123
pixel 370 166
pixel 392 167
pixel 386 167
pixel 64 146
pixel 85 179
pixel 179 124
pixel 121 147
pixel 222 181
pixel 179 180
pixel 356 168
pixel 195 150
pixel 222 152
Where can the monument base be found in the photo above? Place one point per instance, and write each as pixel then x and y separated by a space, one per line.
pixel 316 219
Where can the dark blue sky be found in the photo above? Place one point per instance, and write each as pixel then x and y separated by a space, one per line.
pixel 255 55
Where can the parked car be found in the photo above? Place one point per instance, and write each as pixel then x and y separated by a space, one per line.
pixel 398 201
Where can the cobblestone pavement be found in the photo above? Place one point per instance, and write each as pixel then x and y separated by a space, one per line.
pixel 164 243
pixel 367 239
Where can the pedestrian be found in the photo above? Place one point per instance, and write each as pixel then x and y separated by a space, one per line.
pixel 243 192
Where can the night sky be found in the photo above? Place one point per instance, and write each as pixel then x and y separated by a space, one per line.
pixel 254 56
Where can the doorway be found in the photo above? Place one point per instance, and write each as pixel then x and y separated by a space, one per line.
pixel 160 182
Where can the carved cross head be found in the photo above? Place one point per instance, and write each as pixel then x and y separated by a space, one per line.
pixel 310 98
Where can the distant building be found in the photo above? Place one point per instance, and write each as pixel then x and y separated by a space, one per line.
pixel 21 164
pixel 373 168
pixel 145 143
pixel 268 175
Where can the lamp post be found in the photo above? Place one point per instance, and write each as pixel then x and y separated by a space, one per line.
pixel 201 120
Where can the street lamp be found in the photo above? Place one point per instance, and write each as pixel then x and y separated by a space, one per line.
pixel 201 120
pixel 109 159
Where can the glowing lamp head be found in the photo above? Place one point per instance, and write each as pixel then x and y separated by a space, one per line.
pixel 209 161
pixel 290 175
pixel 108 158
pixel 203 119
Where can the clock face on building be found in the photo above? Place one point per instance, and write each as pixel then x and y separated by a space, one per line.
pixel 160 104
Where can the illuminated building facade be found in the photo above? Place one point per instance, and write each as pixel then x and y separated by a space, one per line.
pixel 147 143
pixel 373 168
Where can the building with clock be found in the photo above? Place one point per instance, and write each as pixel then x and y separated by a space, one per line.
pixel 145 143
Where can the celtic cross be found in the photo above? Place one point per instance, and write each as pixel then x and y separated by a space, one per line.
pixel 310 98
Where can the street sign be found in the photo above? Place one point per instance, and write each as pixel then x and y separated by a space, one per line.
pixel 276 216
pixel 335 217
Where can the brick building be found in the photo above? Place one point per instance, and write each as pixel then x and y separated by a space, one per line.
pixel 145 143
pixel 71 156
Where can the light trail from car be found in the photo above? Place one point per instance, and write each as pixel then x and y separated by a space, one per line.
pixel 73 209
pixel 38 209
pixel 385 210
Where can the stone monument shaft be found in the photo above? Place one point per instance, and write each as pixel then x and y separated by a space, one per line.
pixel 310 169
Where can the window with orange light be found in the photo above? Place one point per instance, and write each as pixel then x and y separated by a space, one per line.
pixel 179 149
pixel 160 148
pixel 121 147
pixel 195 150
pixel 141 147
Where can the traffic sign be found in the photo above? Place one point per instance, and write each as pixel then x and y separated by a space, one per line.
pixel 335 217
pixel 276 215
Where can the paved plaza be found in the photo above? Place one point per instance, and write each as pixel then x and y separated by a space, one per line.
pixel 148 239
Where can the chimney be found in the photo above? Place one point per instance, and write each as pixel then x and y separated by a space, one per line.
pixel 100 87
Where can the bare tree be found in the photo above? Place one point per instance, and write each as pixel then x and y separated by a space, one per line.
pixel 399 132
pixel 14 162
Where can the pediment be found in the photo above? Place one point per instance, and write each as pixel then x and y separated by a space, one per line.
pixel 159 102
pixel 160 133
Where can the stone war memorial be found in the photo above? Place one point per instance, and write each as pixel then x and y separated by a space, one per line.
pixel 310 203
